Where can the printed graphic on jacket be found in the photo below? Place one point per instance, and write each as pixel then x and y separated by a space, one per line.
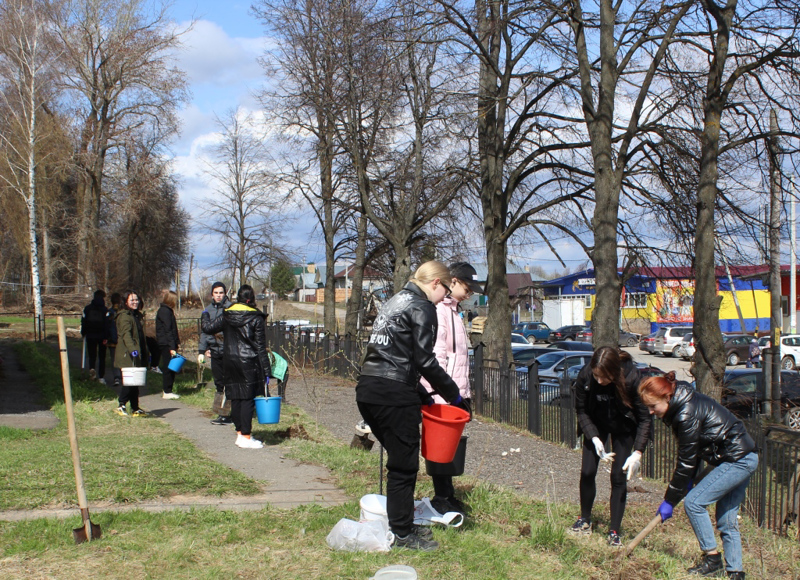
pixel 387 317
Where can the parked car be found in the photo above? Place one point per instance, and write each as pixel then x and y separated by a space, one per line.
pixel 743 392
pixel 685 348
pixel 625 338
pixel 646 343
pixel 533 331
pixel 565 332
pixel 519 341
pixel 551 366
pixel 790 351
pixel 667 339
pixel 571 345
pixel 524 356
pixel 737 348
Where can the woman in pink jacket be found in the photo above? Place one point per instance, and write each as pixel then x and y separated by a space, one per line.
pixel 452 352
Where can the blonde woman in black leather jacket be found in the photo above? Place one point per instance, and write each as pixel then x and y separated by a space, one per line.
pixel 389 395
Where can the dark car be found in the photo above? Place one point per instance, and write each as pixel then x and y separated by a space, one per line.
pixel 551 365
pixel 737 348
pixel 571 345
pixel 527 355
pixel 647 343
pixel 568 332
pixel 532 331
pixel 625 338
pixel 743 393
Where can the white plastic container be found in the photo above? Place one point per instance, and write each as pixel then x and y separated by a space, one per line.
pixel 373 507
pixel 397 572
pixel 134 376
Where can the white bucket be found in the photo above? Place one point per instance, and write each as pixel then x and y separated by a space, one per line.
pixel 373 507
pixel 397 572
pixel 134 376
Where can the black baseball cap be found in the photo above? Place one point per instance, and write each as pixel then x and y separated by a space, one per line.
pixel 467 274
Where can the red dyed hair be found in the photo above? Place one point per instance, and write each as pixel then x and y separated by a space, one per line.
pixel 658 387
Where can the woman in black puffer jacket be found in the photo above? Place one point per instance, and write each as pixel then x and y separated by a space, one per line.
pixel 709 432
pixel 607 404
pixel 168 340
pixel 246 362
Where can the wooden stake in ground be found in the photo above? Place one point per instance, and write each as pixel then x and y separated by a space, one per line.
pixel 642 535
pixel 88 531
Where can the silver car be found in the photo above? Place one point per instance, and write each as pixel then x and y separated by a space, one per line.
pixel 668 338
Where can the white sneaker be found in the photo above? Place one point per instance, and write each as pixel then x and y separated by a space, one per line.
pixel 172 396
pixel 239 439
pixel 156 370
pixel 362 427
pixel 101 381
pixel 250 443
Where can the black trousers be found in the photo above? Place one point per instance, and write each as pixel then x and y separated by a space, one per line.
pixel 242 415
pixel 621 444
pixel 217 366
pixel 443 486
pixel 127 394
pixel 95 347
pixel 397 429
pixel 167 376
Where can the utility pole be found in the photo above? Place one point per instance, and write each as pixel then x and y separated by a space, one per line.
pixel 189 280
pixel 773 374
pixel 793 264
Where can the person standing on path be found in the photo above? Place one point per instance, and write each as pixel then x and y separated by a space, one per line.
pixel 389 395
pixel 111 325
pixel 607 403
pixel 131 350
pixel 168 340
pixel 95 332
pixel 247 364
pixel 706 431
pixel 211 348
pixel 452 353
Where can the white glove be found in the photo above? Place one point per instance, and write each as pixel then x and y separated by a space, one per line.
pixel 632 464
pixel 600 449
pixel 201 358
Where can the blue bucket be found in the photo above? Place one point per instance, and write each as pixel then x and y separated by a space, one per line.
pixel 268 410
pixel 176 364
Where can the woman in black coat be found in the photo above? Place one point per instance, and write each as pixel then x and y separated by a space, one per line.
pixel 607 403
pixel 168 340
pixel 246 362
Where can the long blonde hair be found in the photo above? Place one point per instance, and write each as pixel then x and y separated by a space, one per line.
pixel 169 298
pixel 429 271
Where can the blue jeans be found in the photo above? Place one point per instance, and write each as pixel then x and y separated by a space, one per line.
pixel 725 485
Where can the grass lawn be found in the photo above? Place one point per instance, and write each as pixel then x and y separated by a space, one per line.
pixel 510 536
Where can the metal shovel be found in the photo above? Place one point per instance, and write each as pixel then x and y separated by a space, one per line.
pixel 89 531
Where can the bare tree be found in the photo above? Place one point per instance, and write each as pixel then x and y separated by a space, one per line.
pixel 241 209
pixel 26 58
pixel 116 58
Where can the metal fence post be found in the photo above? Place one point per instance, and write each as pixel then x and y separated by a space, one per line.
pixel 477 372
pixel 534 400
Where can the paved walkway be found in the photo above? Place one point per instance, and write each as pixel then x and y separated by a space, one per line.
pixel 287 483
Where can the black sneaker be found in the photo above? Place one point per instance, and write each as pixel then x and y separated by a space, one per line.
pixel 736 575
pixel 614 540
pixel 423 532
pixel 447 505
pixel 709 565
pixel 582 526
pixel 414 541
pixel 221 421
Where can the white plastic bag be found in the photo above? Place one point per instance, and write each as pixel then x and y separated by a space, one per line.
pixel 426 515
pixel 369 536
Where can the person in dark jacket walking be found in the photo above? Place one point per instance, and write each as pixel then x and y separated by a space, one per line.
pixel 131 350
pixel 709 432
pixel 168 341
pixel 607 403
pixel 95 331
pixel 389 395
pixel 246 365
pixel 211 348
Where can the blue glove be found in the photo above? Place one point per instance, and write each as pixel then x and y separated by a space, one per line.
pixel 135 354
pixel 457 401
pixel 665 510
pixel 689 486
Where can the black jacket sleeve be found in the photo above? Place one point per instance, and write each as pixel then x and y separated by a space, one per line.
pixel 424 328
pixel 582 394
pixel 686 427
pixel 644 420
pixel 260 339
pixel 211 326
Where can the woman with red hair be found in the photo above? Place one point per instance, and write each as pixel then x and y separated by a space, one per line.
pixel 705 431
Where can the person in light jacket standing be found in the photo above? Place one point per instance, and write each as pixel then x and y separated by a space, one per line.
pixel 452 352
pixel 168 341
pixel 211 348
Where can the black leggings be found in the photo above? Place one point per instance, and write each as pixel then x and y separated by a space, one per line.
pixel 397 429
pixel 621 444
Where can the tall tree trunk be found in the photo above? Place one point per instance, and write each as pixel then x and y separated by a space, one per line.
pixel 355 300
pixel 772 376
pixel 402 266
pixel 325 154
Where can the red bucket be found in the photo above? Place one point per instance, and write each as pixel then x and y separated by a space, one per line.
pixel 442 426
